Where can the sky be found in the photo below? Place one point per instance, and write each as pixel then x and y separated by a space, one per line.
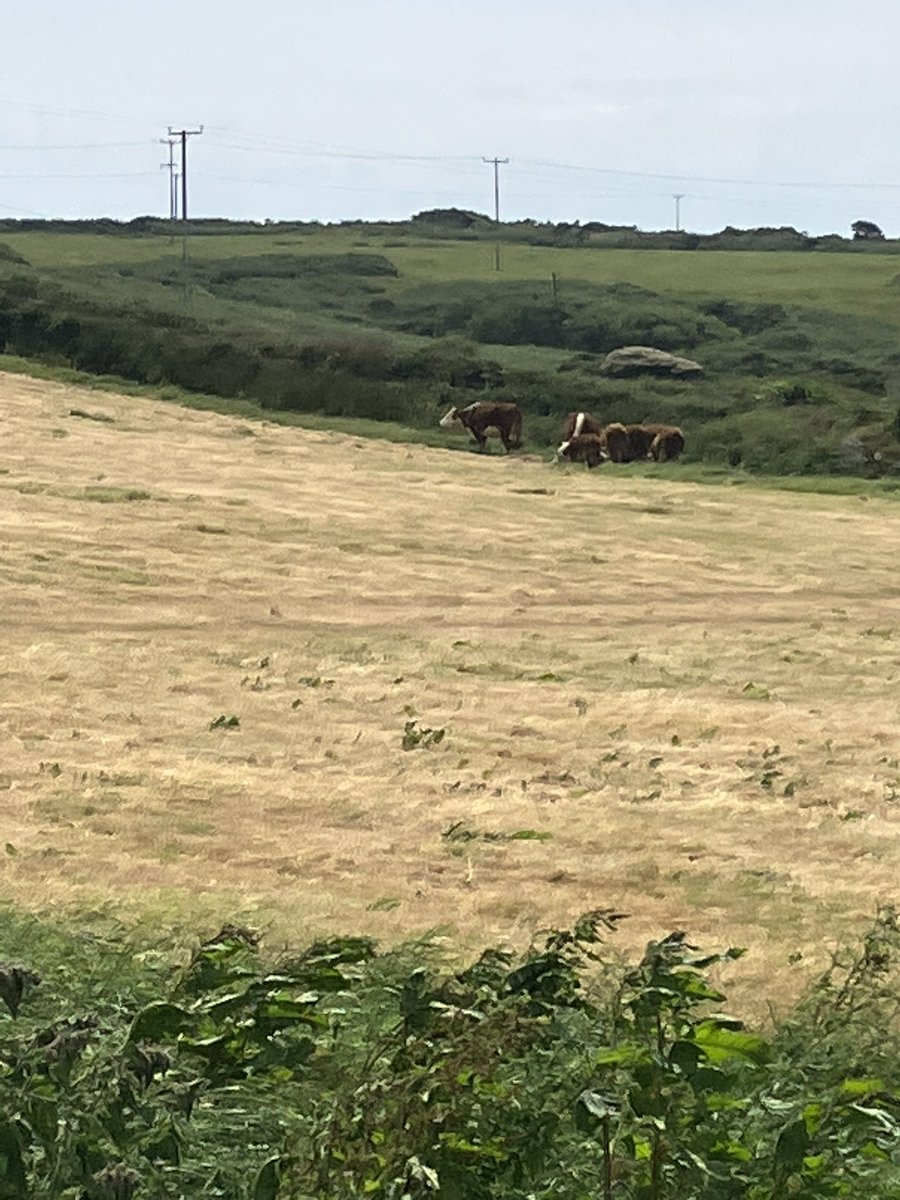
pixel 755 112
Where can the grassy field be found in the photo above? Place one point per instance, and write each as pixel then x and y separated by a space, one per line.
pixel 800 374
pixel 840 282
pixel 325 683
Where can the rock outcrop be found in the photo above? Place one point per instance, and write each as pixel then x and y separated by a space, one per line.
pixel 644 360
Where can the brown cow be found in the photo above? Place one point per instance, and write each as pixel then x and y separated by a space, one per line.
pixel 484 418
pixel 667 444
pixel 659 442
pixel 578 423
pixel 585 447
pixel 640 439
pixel 615 442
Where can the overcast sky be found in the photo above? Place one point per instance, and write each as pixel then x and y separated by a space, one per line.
pixel 761 112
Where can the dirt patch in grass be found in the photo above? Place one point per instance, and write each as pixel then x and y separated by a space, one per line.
pixel 686 694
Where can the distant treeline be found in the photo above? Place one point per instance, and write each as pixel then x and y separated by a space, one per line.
pixel 465 225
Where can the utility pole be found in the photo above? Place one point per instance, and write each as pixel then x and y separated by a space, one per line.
pixel 184 134
pixel 497 162
pixel 173 177
pixel 678 197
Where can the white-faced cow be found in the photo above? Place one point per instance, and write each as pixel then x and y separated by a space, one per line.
pixel 485 418
pixel 578 425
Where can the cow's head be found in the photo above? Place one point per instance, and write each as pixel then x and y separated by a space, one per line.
pixel 585 448
pixel 450 419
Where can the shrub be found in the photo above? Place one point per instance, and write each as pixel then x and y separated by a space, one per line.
pixel 337 1071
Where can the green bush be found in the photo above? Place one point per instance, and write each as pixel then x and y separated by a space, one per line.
pixel 337 1071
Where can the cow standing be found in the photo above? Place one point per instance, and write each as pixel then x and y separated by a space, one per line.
pixel 632 443
pixel 485 418
pixel 667 444
pixel 616 443
pixel 640 439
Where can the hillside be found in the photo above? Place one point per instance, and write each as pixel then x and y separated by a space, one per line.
pixel 393 324
pixel 331 684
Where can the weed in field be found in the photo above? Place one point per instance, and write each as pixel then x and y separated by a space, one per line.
pixel 111 495
pixel 90 416
pixel 118 574
pixel 225 722
pixel 755 691
pixel 416 737
pixel 120 778
pixel 768 769
pixel 459 831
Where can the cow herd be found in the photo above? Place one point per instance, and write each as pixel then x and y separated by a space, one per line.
pixel 584 438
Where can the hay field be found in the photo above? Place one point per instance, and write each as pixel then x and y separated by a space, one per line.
pixel 690 692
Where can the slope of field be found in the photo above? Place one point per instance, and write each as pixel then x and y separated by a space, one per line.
pixel 798 349
pixel 324 682
pixel 849 283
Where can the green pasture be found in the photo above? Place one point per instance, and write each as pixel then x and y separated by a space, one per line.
pixel 841 282
pixel 387 325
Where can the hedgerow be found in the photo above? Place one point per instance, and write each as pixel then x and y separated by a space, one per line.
pixel 345 1071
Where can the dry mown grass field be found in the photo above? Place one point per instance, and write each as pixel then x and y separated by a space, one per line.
pixel 691 691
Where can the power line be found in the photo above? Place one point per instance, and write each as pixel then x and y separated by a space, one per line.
pixel 173 176
pixel 83 175
pixel 497 162
pixel 184 134
pixel 296 151
pixel 678 197
pixel 317 150
pixel 83 113
pixel 293 149
pixel 775 183
pixel 332 187
pixel 76 146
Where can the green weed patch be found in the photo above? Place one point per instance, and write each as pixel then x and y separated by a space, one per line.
pixel 340 1070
